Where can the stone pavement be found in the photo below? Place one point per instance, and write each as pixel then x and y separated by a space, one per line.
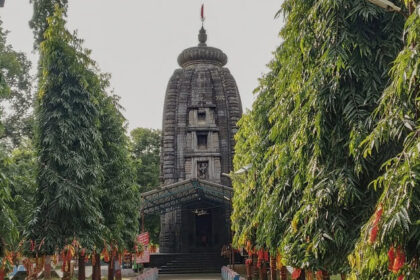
pixel 190 276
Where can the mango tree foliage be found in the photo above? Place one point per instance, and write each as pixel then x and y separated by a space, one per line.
pixel 21 172
pixel 16 93
pixel 145 150
pixel 68 143
pixel 14 87
pixel 394 227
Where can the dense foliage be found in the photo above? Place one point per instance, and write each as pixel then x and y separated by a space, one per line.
pixel 42 10
pixel 120 194
pixel 394 229
pixel 16 162
pixel 145 150
pixel 68 143
pixel 16 94
pixel 309 135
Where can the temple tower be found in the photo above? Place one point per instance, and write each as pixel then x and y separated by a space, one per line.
pixel 202 107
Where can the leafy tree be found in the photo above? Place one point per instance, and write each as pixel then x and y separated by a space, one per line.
pixel 145 149
pixel 17 120
pixel 311 195
pixel 146 152
pixel 120 194
pixel 14 88
pixel 21 173
pixel 68 143
pixel 42 10
pixel 343 90
pixel 389 246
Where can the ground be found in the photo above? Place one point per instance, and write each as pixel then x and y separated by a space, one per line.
pixel 190 276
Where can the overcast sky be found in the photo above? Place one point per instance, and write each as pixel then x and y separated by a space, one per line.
pixel 138 42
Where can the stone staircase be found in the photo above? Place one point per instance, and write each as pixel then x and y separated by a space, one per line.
pixel 204 262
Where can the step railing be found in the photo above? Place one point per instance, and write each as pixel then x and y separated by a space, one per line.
pixel 229 274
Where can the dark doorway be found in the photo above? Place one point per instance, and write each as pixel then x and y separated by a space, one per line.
pixel 203 229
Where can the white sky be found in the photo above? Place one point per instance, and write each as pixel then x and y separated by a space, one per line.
pixel 138 42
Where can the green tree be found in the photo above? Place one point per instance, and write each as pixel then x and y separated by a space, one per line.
pixel 145 149
pixel 42 9
pixel 21 174
pixel 389 246
pixel 311 195
pixel 17 96
pixel 120 194
pixel 14 89
pixel 343 89
pixel 68 143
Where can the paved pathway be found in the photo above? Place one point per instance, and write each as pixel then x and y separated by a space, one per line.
pixel 190 276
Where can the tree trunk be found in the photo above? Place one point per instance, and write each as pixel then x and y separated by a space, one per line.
pixel 92 259
pixel 81 275
pixel 273 271
pixel 254 267
pixel 309 275
pixel 302 275
pixel 118 267
pixel 283 273
pixel 248 271
pixel 263 271
pixel 111 268
pixel 66 270
pixel 47 267
pixel 97 267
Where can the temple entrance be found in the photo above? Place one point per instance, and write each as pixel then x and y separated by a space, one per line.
pixel 203 229
pixel 195 216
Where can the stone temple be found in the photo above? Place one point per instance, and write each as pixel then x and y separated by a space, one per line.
pixel 201 109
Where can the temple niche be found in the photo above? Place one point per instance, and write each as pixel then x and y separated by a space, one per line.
pixel 202 107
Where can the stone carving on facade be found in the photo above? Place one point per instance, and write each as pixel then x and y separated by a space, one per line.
pixel 203 170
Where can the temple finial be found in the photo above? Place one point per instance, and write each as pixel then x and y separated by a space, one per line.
pixel 202 36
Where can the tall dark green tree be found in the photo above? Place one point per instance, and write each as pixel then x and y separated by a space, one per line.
pixel 350 71
pixel 120 194
pixel 389 246
pixel 68 143
pixel 311 190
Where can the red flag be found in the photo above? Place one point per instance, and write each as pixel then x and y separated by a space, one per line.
pixel 202 12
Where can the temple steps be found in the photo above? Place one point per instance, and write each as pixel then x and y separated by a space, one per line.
pixel 194 263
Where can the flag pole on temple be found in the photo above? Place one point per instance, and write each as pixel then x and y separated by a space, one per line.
pixel 202 15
